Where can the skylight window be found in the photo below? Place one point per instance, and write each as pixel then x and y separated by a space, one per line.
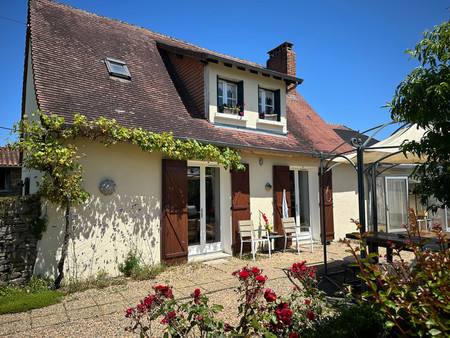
pixel 117 68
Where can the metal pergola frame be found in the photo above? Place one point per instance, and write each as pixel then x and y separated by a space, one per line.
pixel 360 147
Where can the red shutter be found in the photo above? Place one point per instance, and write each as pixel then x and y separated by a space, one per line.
pixel 281 180
pixel 240 205
pixel 329 223
pixel 174 224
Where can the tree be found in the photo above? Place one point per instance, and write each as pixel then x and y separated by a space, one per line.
pixel 47 144
pixel 423 98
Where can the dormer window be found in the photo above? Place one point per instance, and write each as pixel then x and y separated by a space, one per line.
pixel 230 95
pixel 269 104
pixel 117 68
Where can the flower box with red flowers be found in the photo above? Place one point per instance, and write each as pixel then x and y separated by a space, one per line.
pixel 233 110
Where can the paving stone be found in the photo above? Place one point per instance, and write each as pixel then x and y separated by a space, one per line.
pixel 49 320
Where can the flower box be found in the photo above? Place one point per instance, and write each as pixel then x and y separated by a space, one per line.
pixel 228 110
pixel 271 117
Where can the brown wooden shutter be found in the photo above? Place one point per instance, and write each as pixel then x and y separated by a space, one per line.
pixel 174 224
pixel 329 221
pixel 240 205
pixel 281 180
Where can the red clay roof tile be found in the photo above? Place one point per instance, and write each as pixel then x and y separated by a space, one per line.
pixel 9 158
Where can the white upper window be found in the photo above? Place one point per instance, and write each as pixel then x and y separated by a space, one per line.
pixel 227 93
pixel 266 101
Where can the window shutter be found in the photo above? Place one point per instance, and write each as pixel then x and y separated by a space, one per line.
pixel 277 104
pixel 240 99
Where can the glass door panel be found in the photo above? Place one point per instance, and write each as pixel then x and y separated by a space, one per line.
pixel 212 205
pixel 304 198
pixel 299 190
pixel 193 205
pixel 396 203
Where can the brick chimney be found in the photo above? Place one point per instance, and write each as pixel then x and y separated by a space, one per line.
pixel 282 59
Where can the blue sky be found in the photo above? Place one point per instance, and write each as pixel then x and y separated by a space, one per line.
pixel 350 53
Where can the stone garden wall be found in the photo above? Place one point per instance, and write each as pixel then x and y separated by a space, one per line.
pixel 20 228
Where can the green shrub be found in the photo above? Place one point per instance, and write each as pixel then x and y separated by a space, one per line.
pixel 354 321
pixel 148 271
pixel 131 264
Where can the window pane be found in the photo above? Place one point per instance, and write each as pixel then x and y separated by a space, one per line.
pixel 292 192
pixel 220 94
pixel 269 98
pixel 397 198
pixel 304 198
pixel 212 205
pixel 193 205
pixel 231 94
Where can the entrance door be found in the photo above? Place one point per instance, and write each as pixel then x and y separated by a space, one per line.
pixel 204 228
pixel 396 203
pixel 300 197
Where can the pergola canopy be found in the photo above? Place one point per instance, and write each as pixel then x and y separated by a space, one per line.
pixel 388 150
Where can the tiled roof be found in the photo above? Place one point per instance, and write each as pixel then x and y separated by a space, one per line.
pixel 68 47
pixel 346 134
pixel 9 158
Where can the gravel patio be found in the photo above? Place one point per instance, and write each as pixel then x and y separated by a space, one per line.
pixel 101 312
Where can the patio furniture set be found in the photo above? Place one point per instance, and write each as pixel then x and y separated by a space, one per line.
pixel 248 234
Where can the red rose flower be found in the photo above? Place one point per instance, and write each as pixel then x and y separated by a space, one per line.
pixel 307 301
pixel 311 315
pixel 270 296
pixel 243 274
pixel 260 279
pixel 255 271
pixel 293 335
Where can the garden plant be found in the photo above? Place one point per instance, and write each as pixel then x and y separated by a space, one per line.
pixel 261 311
pixel 415 297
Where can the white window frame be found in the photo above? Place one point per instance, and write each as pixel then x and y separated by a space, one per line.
pixel 225 84
pixel 262 95
pixel 203 247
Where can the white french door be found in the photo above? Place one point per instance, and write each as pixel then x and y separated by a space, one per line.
pixel 204 227
pixel 397 203
pixel 299 189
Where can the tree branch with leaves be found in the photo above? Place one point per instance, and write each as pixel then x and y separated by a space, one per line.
pixel 423 98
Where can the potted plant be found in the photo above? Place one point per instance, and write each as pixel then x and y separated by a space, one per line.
pixel 232 109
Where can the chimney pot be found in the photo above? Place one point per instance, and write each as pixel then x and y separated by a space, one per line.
pixel 282 59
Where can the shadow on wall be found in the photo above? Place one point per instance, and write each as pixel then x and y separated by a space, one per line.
pixel 102 232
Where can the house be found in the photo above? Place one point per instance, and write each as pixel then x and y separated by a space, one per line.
pixel 167 210
pixel 10 172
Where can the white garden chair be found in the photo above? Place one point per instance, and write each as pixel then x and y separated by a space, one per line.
pixel 251 235
pixel 297 232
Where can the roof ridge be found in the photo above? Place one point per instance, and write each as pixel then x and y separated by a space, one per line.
pixel 153 32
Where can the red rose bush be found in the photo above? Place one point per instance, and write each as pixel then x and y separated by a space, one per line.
pixel 261 311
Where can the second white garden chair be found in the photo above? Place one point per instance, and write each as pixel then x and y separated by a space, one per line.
pixel 251 235
pixel 297 232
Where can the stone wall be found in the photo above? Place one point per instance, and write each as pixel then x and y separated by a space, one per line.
pixel 17 242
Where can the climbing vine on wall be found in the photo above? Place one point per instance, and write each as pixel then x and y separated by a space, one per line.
pixel 48 145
